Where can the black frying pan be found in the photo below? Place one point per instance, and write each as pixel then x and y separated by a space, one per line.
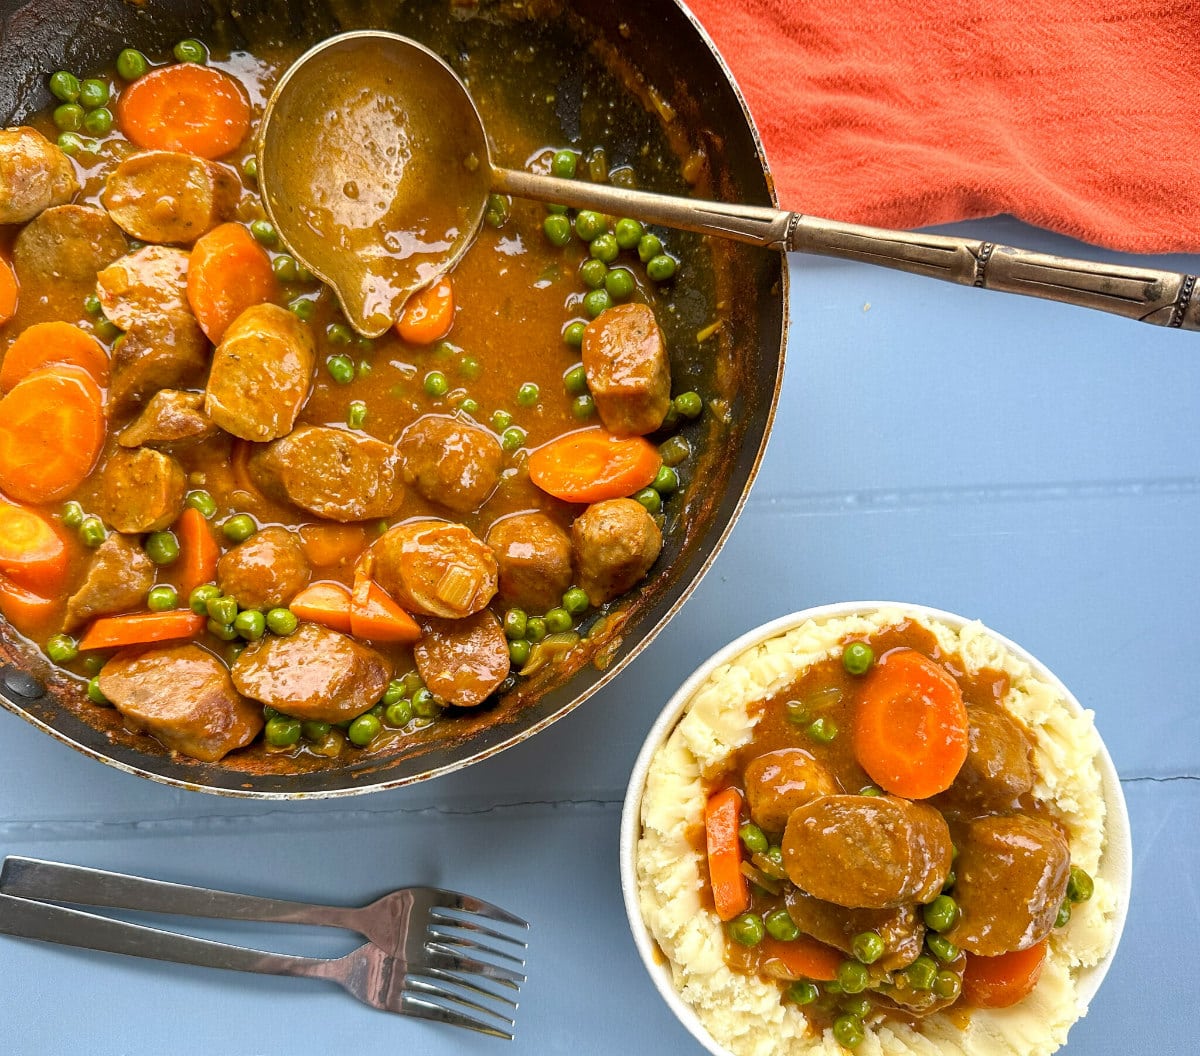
pixel 623 52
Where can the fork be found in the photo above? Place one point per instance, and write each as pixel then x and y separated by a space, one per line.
pixel 414 956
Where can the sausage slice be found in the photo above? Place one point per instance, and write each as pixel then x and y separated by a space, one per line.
pixel 140 490
pixel 996 771
pixel 534 558
pixel 902 930
pixel 450 462
pixel 628 372
pixel 67 243
pixel 434 568
pixel 159 352
pixel 165 196
pixel 147 283
pixel 34 175
pixel 778 782
pixel 463 661
pixel 118 577
pixel 615 542
pixel 171 416
pixel 266 570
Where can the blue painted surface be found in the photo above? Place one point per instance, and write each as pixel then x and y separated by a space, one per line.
pixel 1035 466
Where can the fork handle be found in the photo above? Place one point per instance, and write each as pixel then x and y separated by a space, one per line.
pixel 72 927
pixel 59 882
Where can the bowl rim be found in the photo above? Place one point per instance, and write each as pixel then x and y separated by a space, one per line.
pixel 1116 858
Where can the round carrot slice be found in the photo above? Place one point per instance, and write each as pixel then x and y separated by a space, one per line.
pixel 591 465
pixel 9 291
pixel 228 272
pixel 45 343
pixel 997 982
pixel 186 107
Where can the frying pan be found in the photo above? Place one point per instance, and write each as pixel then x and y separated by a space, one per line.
pixel 653 63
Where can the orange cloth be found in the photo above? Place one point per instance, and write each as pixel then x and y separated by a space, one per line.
pixel 1076 115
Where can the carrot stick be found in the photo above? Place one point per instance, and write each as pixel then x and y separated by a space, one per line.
pixel 228 272
pixel 591 465
pixel 32 554
pixel 374 615
pixel 114 632
pixel 997 982
pixel 722 815
pixel 198 551
pixel 326 603
pixel 428 314
pixel 10 291
pixel 186 107
pixel 30 613
pixel 51 432
pixel 46 343
pixel 910 726
pixel 327 545
pixel 800 958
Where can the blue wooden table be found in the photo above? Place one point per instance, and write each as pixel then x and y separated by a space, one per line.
pixel 1035 466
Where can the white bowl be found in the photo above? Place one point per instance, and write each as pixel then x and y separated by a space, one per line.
pixel 1116 865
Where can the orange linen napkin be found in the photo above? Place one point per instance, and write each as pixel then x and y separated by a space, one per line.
pixel 1076 115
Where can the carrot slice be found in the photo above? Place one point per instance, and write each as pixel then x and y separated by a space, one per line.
pixel 32 554
pixel 997 982
pixel 198 551
pixel 51 432
pixel 800 958
pixel 327 545
pixel 722 816
pixel 45 343
pixel 591 465
pixel 428 314
pixel 910 726
pixel 228 272
pixel 114 632
pixel 374 615
pixel 325 603
pixel 30 613
pixel 10 291
pixel 186 107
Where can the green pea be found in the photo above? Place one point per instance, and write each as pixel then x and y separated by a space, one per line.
pixel 856 1006
pixel 746 930
pixel 558 620
pixel 867 946
pixel 190 50
pixel 72 514
pixel 222 608
pixel 107 330
pixel 356 414
pixel 666 481
pixel 557 229
pixel 535 629
pixel 497 212
pixel 857 657
pixel 202 502
pixel 596 302
pixel 315 730
pixel 628 233
pixel 950 878
pixel 61 648
pixel 604 247
pixel 99 122
pixel 513 438
pixel 436 384
pixel 64 86
pixel 753 838
pixel 282 621
pixel 870 790
pixel 199 598
pixel 516 623
pixel 399 714
pixel 573 333
pixel 425 704
pixel 304 275
pixel 583 406
pixel 648 247
pixel 518 652
pixel 803 992
pixel 501 420
pixel 92 531
pixel 575 601
pixel 1080 886
pixel 555 208
pixel 162 547
pixel 774 854
pixel 92 306
pixel 68 117
pixel 250 168
pixel 853 977
pixel 688 404
pixel 94 692
pixel 940 914
pixel 780 925
pixel 797 713
pixel 162 598
pixel 364 730
pixel 619 283
pixel 848 1031
pixel 922 972
pixel 589 225
pixel 469 406
pixel 823 730
pixel 527 394
pixel 286 269
pixel 675 450
pixel 563 164
pixel 941 947
pixel 303 308
pixel 393 693
pixel 239 528
pixel 250 624
pixel 132 64
pixel 341 368
pixel 593 272
pixel 1064 915
pixel 575 380
pixel 282 731
pixel 264 232
pixel 660 268
pixel 947 984
pixel 93 664
pixel 339 334
pixel 650 499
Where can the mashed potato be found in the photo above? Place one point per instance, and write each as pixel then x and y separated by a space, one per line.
pixel 745 1013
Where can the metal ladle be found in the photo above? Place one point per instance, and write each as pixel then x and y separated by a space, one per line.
pixel 374 167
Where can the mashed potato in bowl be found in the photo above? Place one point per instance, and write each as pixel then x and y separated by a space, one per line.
pixel 713 715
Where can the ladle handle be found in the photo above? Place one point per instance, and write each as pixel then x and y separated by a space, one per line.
pixel 1165 298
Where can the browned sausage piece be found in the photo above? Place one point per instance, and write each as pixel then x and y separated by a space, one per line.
pixel 140 490
pixel 266 570
pixel 261 374
pixel 183 696
pixel 158 352
pixel 778 782
pixel 625 360
pixel 434 568
pixel 463 661
pixel 147 283
pixel 334 473
pixel 996 771
pixel 118 577
pixel 867 852
pixel 34 175
pixel 314 673
pixel 171 416
pixel 450 462
pixel 534 558
pixel 1011 879
pixel 68 243
pixel 163 196
pixel 615 542
pixel 902 930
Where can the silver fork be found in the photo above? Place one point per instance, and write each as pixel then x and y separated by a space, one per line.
pixel 414 961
